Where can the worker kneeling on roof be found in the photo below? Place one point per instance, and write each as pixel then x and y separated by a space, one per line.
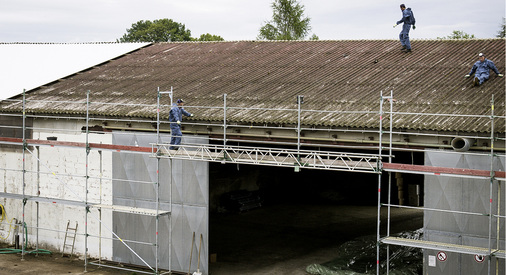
pixel 175 118
pixel 481 70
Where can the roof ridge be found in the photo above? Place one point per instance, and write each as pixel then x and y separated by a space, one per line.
pixel 67 43
pixel 235 41
pixel 326 40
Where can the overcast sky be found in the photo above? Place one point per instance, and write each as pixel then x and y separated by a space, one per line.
pixel 107 20
pixel 27 66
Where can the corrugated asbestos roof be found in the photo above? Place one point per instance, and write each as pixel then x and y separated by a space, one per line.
pixel 331 75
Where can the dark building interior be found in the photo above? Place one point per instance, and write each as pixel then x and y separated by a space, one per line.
pixel 263 215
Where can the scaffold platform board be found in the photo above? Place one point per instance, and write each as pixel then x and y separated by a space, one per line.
pixel 365 163
pixel 41 199
pixel 116 208
pixel 133 210
pixel 447 247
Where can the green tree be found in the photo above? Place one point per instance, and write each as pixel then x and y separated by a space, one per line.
pixel 208 37
pixel 458 35
pixel 160 30
pixel 502 32
pixel 288 22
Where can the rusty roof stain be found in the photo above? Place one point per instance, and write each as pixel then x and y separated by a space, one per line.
pixel 340 76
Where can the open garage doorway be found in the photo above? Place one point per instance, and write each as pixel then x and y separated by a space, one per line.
pixel 273 220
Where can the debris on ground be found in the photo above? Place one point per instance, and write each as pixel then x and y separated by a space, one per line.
pixel 358 257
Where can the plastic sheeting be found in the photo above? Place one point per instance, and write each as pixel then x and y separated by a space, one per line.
pixel 359 257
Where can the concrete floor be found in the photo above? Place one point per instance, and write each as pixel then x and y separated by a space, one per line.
pixel 286 238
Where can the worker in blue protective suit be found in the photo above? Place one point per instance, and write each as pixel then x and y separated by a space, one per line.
pixel 481 70
pixel 175 118
pixel 408 19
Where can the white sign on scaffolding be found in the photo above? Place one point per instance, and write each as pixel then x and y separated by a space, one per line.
pixel 432 260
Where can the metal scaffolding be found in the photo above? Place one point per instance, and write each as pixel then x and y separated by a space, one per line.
pixel 495 177
pixel 83 201
pixel 269 155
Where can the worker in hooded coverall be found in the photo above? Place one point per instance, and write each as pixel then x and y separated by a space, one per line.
pixel 408 19
pixel 481 70
pixel 175 118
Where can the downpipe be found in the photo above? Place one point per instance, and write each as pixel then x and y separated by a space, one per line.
pixel 460 144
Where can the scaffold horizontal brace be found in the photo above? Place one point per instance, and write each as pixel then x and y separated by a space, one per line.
pixel 96 146
pixel 98 263
pixel 432 170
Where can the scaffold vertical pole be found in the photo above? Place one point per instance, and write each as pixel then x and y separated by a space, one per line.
pixel 37 203
pixel 171 93
pixel 100 209
pixel 224 119
pixel 379 186
pixel 86 181
pixel 170 218
pixel 300 100
pixel 170 199
pixel 157 187
pixel 24 176
pixel 158 94
pixel 498 222
pixel 491 215
pixel 391 99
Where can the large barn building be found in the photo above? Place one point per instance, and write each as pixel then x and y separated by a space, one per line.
pixel 272 120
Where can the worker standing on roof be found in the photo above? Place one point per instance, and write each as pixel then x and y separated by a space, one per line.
pixel 175 118
pixel 481 70
pixel 408 19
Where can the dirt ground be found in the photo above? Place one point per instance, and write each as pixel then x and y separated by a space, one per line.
pixel 49 264
pixel 280 239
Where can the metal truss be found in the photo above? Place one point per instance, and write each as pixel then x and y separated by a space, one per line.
pixel 337 161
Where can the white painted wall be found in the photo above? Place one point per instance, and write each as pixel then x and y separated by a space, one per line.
pixel 61 175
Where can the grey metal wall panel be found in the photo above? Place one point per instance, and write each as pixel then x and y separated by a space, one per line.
pixel 456 263
pixel 465 195
pixel 188 184
pixel 134 228
pixel 186 220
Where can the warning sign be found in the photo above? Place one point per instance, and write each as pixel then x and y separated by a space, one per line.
pixel 441 256
pixel 479 258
